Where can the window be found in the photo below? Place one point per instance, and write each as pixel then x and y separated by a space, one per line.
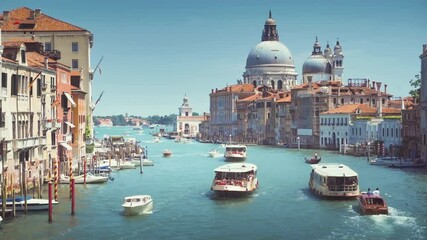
pixel 75 63
pixel 47 46
pixel 14 84
pixel 4 80
pixel 75 46
pixel 23 59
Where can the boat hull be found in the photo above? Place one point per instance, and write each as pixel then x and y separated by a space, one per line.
pixel 139 209
pixel 32 205
pixel 236 189
pixel 370 204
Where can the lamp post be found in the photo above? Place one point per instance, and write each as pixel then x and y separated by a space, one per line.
pixel 299 143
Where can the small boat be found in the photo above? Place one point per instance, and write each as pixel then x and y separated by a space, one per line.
pixel 312 160
pixel 126 165
pixel 147 162
pixel 370 203
pixel 90 178
pixel 214 153
pixel 235 152
pixel 334 180
pixel 33 204
pixel 138 204
pixel 235 179
pixel 167 153
pixel 398 162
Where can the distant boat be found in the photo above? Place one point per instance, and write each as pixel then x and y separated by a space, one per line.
pixel 138 204
pixel 398 162
pixel 235 152
pixel 235 179
pixel 33 204
pixel 214 153
pixel 372 204
pixel 314 160
pixel 167 153
pixel 90 179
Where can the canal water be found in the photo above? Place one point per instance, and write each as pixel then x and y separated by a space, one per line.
pixel 184 207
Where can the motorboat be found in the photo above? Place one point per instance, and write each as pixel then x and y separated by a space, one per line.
pixel 138 204
pixel 33 204
pixel 398 162
pixel 167 153
pixel 313 160
pixel 370 203
pixel 235 179
pixel 90 179
pixel 235 152
pixel 214 153
pixel 147 162
pixel 126 165
pixel 334 180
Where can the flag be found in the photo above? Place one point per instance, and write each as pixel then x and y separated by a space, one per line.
pixel 99 70
pixel 34 79
pixel 99 98
pixel 16 22
pixel 54 103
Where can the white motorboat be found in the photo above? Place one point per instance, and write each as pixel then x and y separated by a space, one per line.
pixel 90 178
pixel 398 162
pixel 235 152
pixel 33 204
pixel 334 180
pixel 126 165
pixel 145 162
pixel 138 204
pixel 235 179
pixel 214 153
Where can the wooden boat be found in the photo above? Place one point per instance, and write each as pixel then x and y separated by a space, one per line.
pixel 372 204
pixel 167 153
pixel 312 160
pixel 138 204
pixel 33 204
pixel 90 178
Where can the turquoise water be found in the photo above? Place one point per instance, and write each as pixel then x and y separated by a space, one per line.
pixel 184 208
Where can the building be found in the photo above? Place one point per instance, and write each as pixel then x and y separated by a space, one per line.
pixel 70 45
pixel 187 125
pixel 423 104
pixel 270 62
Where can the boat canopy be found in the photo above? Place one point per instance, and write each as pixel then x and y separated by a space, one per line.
pixel 333 170
pixel 237 167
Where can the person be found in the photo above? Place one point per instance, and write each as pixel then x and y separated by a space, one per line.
pixel 369 191
pixel 376 192
pixel 315 155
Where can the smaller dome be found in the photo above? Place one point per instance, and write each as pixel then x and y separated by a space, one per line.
pixel 316 64
pixel 270 21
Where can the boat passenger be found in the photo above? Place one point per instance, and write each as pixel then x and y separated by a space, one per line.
pixel 315 155
pixel 376 192
pixel 369 191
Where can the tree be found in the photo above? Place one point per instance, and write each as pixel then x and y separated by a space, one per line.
pixel 415 83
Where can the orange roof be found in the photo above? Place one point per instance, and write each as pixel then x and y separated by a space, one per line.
pixel 37 60
pixel 21 21
pixel 8 60
pixel 352 108
pixel 250 98
pixel 286 99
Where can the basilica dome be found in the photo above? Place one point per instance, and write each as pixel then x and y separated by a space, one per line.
pixel 269 53
pixel 316 64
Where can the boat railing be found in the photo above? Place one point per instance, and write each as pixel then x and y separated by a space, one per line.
pixel 342 188
pixel 241 183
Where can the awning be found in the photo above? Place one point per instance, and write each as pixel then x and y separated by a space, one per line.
pixel 65 145
pixel 70 124
pixel 70 99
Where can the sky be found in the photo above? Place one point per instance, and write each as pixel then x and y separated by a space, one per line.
pixel 156 52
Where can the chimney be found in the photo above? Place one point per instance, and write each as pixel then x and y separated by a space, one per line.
pixel 378 87
pixel 373 85
pixel 46 62
pixel 32 14
pixel 5 16
pixel 369 82
pixel 37 12
pixel 385 88
pixel 424 48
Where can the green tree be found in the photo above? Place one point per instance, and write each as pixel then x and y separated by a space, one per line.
pixel 416 84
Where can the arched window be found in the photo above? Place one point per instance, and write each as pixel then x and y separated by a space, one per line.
pixel 279 84
pixel 342 100
pixel 273 84
pixel 254 83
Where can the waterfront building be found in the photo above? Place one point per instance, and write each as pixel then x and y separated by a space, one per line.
pixel 28 121
pixel 105 122
pixel 423 104
pixel 187 125
pixel 411 132
pixel 68 44
pixel 270 62
pixel 325 66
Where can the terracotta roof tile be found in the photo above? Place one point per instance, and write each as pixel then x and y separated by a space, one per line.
pixel 42 23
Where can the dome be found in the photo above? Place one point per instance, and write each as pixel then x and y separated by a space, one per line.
pixel 271 53
pixel 316 64
pixel 270 21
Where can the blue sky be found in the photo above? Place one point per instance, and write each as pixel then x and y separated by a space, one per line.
pixel 156 52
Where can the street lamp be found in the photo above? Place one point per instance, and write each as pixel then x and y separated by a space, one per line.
pixel 299 144
pixel 369 151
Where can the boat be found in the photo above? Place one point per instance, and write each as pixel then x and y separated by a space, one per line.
pixel 398 162
pixel 90 178
pixel 33 204
pixel 214 153
pixel 312 160
pixel 126 165
pixel 167 153
pixel 235 152
pixel 235 179
pixel 138 204
pixel 334 180
pixel 370 203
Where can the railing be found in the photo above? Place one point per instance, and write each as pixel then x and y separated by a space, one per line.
pixel 27 142
pixel 342 188
pixel 47 124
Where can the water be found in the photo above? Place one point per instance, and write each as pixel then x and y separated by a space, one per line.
pixel 184 207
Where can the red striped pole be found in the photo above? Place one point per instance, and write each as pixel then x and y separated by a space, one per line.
pixel 71 176
pixel 84 170
pixel 50 201
pixel 73 198
pixel 55 176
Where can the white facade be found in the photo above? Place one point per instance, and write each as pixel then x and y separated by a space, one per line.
pixel 187 125
pixel 334 130
pixel 390 132
pixel 364 131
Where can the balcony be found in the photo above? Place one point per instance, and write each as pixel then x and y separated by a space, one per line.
pixel 53 88
pixel 44 86
pixel 56 124
pixel 54 54
pixel 3 93
pixel 27 143
pixel 66 138
pixel 47 124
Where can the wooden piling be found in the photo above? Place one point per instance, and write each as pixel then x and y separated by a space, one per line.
pixel 50 201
